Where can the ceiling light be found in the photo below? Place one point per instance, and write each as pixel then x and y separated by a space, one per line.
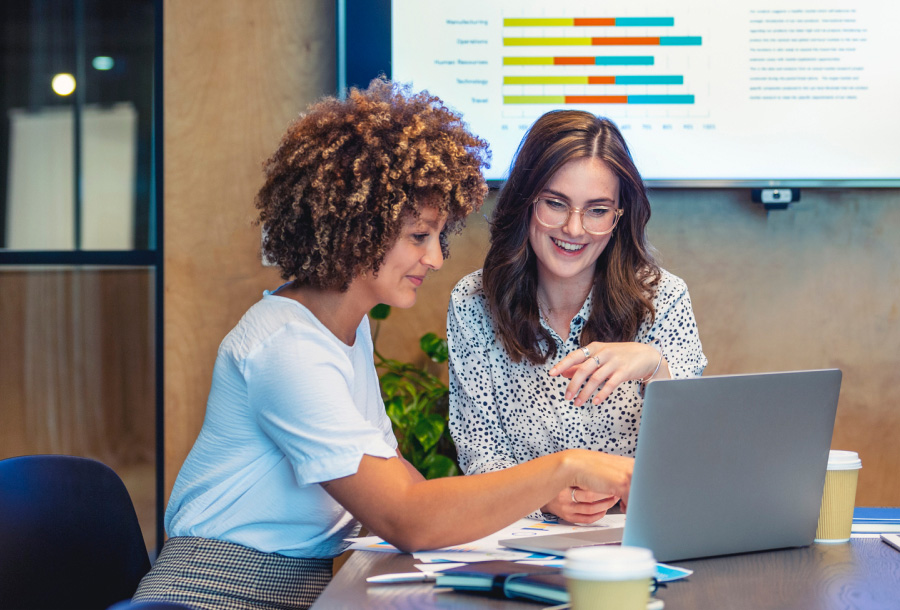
pixel 63 84
pixel 102 62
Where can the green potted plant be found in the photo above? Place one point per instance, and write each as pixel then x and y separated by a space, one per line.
pixel 417 403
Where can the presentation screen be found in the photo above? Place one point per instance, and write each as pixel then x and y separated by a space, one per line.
pixel 706 92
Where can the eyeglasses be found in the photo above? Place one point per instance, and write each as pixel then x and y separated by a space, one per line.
pixel 596 219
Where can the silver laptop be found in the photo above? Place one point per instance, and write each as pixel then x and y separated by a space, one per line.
pixel 725 464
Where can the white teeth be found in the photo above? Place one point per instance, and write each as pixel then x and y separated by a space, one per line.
pixel 567 246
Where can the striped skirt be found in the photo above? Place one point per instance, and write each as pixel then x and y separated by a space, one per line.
pixel 216 575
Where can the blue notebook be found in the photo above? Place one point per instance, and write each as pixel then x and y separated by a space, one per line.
pixel 876 520
pixel 506 579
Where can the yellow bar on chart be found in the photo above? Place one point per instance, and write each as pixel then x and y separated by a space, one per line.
pixel 545 80
pixel 528 61
pixel 547 42
pixel 534 99
pixel 533 22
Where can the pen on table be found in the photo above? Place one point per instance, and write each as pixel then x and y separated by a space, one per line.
pixel 652 604
pixel 403 577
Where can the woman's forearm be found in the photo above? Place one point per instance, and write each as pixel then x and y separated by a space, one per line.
pixel 454 510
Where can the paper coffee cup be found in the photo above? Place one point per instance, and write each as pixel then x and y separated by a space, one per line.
pixel 839 497
pixel 609 577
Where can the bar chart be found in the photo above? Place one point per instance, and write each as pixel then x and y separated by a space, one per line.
pixel 586 61
pixel 702 89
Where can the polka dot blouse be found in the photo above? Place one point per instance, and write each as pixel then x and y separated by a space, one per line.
pixel 503 413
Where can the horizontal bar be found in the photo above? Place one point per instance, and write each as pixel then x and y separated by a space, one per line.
pixel 598 99
pixel 660 99
pixel 534 99
pixel 559 80
pixel 644 21
pixel 603 60
pixel 530 61
pixel 616 41
pixel 624 60
pixel 597 41
pixel 100 258
pixel 537 22
pixel 604 41
pixel 550 41
pixel 545 80
pixel 680 41
pixel 588 21
pixel 575 61
pixel 648 79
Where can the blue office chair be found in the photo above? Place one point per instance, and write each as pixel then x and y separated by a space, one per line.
pixel 69 536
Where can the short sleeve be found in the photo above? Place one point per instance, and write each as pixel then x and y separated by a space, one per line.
pixel 300 390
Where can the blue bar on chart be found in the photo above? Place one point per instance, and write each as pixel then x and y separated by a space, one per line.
pixel 650 79
pixel 660 99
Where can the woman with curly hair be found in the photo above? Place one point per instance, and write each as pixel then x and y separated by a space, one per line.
pixel 552 342
pixel 296 448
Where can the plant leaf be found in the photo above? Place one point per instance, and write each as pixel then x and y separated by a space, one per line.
pixel 435 347
pixel 437 466
pixel 416 402
pixel 394 408
pixel 390 383
pixel 428 430
pixel 380 311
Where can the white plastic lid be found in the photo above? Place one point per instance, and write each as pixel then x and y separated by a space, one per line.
pixel 843 460
pixel 609 563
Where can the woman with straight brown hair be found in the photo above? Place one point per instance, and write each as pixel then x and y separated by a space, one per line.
pixel 553 341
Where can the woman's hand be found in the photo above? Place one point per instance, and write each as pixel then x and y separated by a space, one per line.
pixel 601 367
pixel 578 505
pixel 594 476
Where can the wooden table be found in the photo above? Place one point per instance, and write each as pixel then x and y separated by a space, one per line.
pixel 861 575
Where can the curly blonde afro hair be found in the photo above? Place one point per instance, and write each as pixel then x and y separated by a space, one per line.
pixel 348 173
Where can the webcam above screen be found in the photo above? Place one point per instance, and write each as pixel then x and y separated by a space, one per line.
pixel 707 93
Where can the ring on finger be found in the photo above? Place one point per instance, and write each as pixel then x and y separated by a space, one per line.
pixel 586 352
pixel 597 360
pixel 573 496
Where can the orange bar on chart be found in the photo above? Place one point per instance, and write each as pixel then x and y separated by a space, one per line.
pixel 574 61
pixel 596 99
pixel 601 80
pixel 652 40
pixel 595 21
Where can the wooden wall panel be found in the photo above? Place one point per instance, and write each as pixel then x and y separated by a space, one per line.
pixel 235 73
pixel 77 372
pixel 814 286
pixel 76 364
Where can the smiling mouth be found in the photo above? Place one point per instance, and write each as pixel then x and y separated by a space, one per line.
pixel 567 246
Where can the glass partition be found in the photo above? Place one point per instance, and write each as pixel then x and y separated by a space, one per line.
pixel 80 270
pixel 77 125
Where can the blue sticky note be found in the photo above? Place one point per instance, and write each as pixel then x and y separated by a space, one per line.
pixel 667 573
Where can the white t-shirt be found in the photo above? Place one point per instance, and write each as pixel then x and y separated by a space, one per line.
pixel 290 406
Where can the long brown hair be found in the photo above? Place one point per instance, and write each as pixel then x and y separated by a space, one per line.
pixel 626 274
